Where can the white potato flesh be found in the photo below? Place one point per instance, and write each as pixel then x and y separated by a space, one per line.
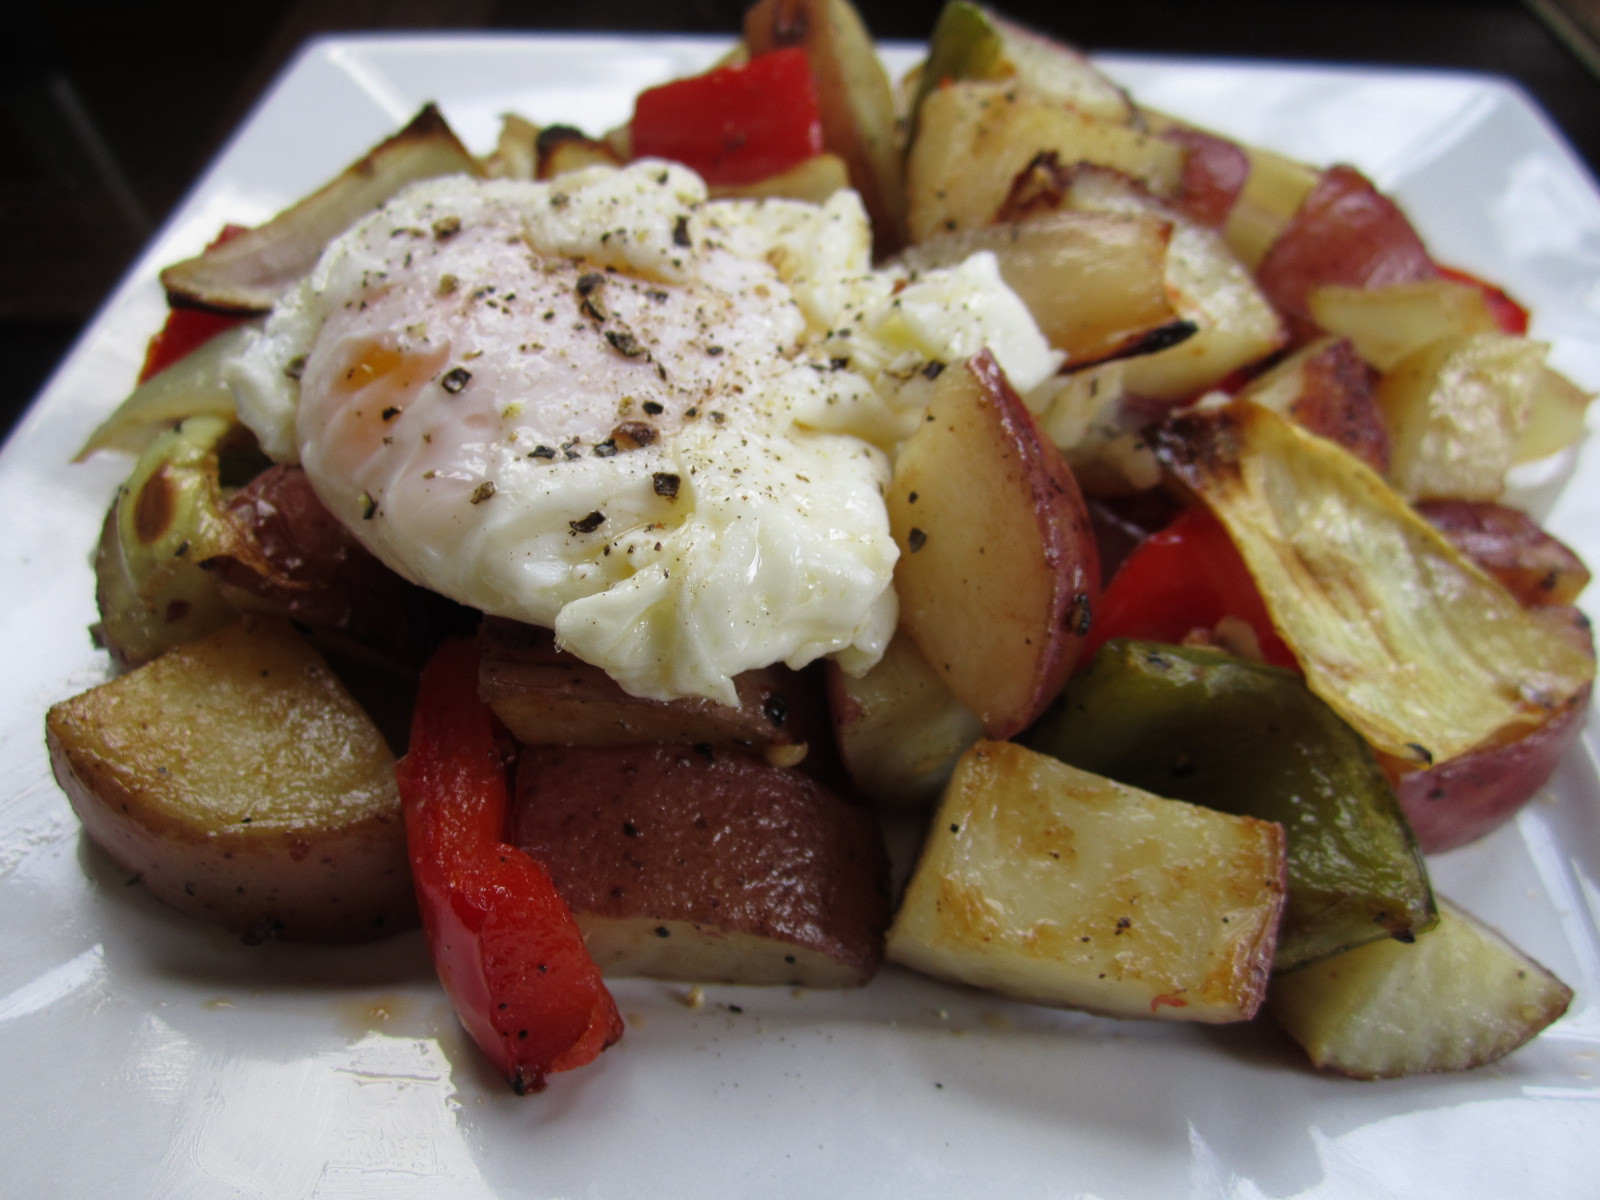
pixel 899 727
pixel 1460 996
pixel 1059 887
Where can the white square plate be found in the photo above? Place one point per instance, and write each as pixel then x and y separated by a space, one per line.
pixel 146 1055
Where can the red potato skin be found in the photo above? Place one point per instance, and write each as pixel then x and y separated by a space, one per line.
pixel 1345 233
pixel 1472 795
pixel 1214 173
pixel 697 834
pixel 297 560
pixel 1339 402
pixel 1069 544
pixel 1535 567
pixel 573 703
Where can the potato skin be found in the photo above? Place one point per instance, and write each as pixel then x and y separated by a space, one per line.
pixel 1346 233
pixel 242 785
pixel 1475 793
pixel 713 844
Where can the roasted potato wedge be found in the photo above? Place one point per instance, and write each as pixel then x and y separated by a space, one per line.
pixel 706 865
pixel 241 784
pixel 1060 887
pixel 547 697
pixel 859 121
pixel 1458 997
pixel 899 728
pixel 1345 232
pixel 998 571
pixel 975 139
pixel 1326 387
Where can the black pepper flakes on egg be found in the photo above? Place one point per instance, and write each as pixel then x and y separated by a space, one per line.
pixel 632 435
pixel 625 344
pixel 587 524
pixel 665 485
pixel 455 379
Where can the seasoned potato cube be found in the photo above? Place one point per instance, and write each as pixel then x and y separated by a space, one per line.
pixel 545 696
pixel 706 865
pixel 1060 887
pixel 1458 997
pixel 975 138
pixel 243 785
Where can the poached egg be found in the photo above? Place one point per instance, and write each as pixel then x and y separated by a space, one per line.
pixel 658 424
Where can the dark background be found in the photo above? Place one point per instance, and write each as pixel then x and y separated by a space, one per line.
pixel 109 109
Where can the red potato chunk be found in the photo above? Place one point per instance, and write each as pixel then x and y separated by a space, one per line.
pixel 1328 389
pixel 1507 543
pixel 1214 173
pixel 545 696
pixel 1347 233
pixel 705 865
pixel 999 574
pixel 292 557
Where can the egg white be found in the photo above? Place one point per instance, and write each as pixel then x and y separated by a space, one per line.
pixel 657 424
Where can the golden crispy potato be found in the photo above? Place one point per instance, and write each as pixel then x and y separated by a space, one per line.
pixel 1060 887
pixel 243 784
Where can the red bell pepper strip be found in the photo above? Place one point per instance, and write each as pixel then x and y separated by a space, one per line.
pixel 1184 577
pixel 1510 316
pixel 187 329
pixel 734 124
pixel 505 944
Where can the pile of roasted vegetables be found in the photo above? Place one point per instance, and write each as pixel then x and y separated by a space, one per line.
pixel 1280 438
